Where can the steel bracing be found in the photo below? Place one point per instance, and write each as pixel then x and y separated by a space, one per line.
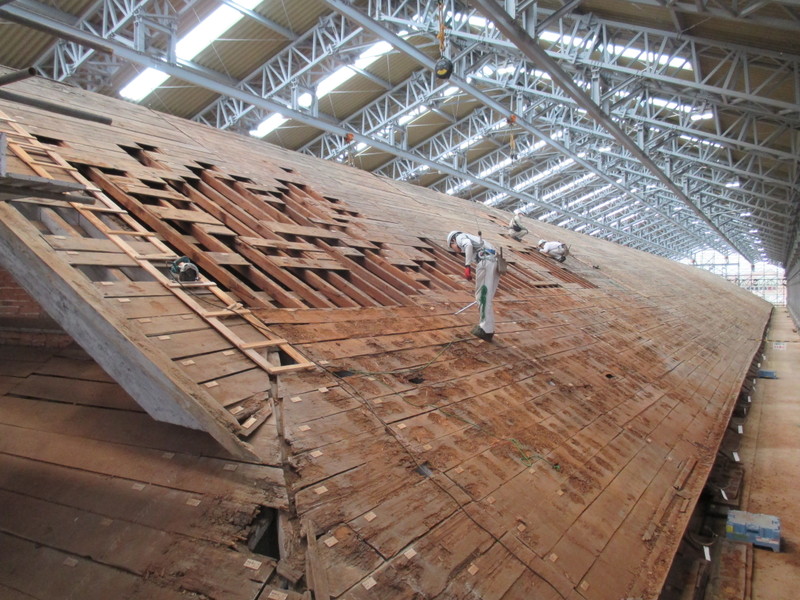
pixel 659 139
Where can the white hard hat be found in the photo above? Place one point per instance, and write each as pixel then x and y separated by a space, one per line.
pixel 451 235
pixel 542 242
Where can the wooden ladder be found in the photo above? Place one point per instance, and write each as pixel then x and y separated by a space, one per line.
pixel 48 164
pixel 43 161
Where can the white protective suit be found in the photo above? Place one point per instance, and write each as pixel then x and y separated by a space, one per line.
pixel 555 250
pixel 482 254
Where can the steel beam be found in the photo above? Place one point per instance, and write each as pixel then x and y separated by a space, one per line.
pixel 530 48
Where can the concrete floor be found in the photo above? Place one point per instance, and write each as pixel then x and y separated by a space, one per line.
pixel 770 452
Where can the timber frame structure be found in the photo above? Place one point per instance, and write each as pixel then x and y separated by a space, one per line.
pixel 321 423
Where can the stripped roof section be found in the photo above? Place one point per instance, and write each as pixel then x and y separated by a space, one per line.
pixel 562 460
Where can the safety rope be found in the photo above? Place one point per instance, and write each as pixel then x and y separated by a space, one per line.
pixel 441 35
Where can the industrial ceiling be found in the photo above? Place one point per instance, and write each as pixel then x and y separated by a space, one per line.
pixel 666 125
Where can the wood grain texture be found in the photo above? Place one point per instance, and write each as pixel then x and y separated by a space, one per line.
pixel 559 461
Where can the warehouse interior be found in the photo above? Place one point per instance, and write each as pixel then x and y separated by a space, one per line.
pixel 238 344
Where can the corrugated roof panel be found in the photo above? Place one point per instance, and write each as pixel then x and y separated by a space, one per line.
pixel 237 54
pixel 22 46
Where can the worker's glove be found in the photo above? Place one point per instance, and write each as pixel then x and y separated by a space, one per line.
pixel 468 273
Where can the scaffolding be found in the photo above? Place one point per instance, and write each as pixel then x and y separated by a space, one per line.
pixel 762 279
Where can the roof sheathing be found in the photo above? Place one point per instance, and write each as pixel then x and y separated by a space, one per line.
pixel 559 461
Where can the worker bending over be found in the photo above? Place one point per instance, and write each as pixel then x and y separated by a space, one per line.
pixel 556 250
pixel 516 229
pixel 480 253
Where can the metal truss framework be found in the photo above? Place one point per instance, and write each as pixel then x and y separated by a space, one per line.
pixel 666 142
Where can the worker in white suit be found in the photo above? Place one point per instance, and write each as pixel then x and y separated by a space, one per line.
pixel 557 250
pixel 515 228
pixel 482 255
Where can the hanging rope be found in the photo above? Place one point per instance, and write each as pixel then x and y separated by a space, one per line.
pixel 443 67
pixel 441 35
pixel 349 158
pixel 512 145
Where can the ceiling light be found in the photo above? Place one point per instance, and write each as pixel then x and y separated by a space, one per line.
pixel 193 43
pixel 268 125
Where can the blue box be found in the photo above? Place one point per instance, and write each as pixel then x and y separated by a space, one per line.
pixel 754 528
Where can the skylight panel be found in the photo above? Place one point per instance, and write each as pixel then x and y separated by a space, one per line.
pixel 457 188
pixel 412 114
pixel 671 104
pixel 544 174
pixel 326 85
pixel 144 83
pixel 590 195
pixel 677 62
pixel 568 186
pixel 603 205
pixel 497 198
pixel 268 125
pixel 334 80
pixel 373 53
pixel 614 213
pixel 697 140
pixel 189 46
pixel 495 168
pixel 343 74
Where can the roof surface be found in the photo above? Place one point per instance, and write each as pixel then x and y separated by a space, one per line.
pixel 325 351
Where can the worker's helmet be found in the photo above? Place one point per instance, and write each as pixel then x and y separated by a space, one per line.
pixel 450 237
pixel 542 242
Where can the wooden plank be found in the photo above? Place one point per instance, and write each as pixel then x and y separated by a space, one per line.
pixel 98 423
pixel 298 286
pixel 122 352
pixel 25 561
pixel 81 533
pixel 193 343
pixel 212 366
pixel 142 190
pixel 60 242
pixel 227 258
pixel 238 386
pixel 299 230
pixel 147 306
pixel 317 575
pixel 117 500
pixel 90 393
pixel 400 519
pixel 288 262
pixel 98 259
pixel 142 465
pixel 169 213
pixel 256 242
pixel 346 559
pixel 171 325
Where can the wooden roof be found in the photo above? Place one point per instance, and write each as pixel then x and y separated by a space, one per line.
pixel 323 351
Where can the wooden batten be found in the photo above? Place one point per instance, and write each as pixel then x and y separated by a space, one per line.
pixel 123 353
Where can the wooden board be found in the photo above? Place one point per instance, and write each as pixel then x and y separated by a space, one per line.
pixel 558 461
